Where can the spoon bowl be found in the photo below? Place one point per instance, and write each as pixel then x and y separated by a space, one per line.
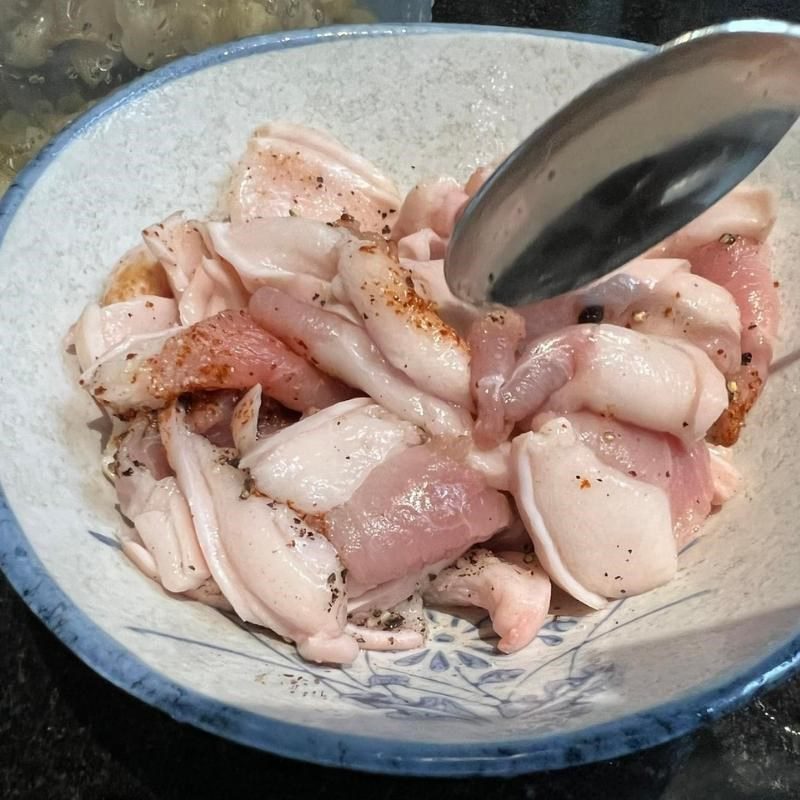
pixel 628 162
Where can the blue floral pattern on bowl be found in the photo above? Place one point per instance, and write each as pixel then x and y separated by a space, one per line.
pixel 458 675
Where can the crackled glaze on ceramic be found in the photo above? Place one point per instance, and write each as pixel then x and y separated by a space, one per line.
pixel 419 104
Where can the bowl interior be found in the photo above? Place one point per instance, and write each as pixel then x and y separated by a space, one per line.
pixel 419 104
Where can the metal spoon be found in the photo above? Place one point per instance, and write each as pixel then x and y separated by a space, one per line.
pixel 628 162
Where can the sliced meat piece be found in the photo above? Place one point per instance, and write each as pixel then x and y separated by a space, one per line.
pixel 422 245
pixel 745 211
pixel 209 594
pixel 292 170
pixel 416 508
pixel 435 205
pixel 271 567
pixel 244 422
pixel 166 549
pixel 660 384
pixel 316 464
pixel 385 641
pixel 298 256
pixel 213 287
pixel 135 274
pixel 230 351
pixel 101 328
pixel 404 326
pixel 687 306
pixel 120 378
pixel 682 471
pixel 346 351
pixel 650 295
pixel 598 532
pixel 605 300
pixel 210 414
pixel 494 464
pixel 227 351
pixel 367 599
pixel 512 587
pixel 493 343
pixel 257 417
pixel 742 267
pixel 430 284
pixel 479 176
pixel 399 627
pixel 178 246
pixel 138 448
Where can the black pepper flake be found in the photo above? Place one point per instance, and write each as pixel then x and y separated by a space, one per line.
pixel 128 472
pixel 746 358
pixel 591 315
pixel 392 620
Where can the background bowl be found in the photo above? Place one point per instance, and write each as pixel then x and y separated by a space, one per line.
pixel 420 102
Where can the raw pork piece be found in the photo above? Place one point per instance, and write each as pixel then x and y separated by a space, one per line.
pixel 317 463
pixel 272 568
pixel 663 384
pixel 292 170
pixel 228 351
pixel 405 327
pixel 512 587
pixel 346 351
pixel 598 532
pixel 414 509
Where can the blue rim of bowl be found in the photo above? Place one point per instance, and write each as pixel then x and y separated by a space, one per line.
pixel 115 663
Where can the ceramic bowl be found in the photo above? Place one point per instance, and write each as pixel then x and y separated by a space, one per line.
pixel 419 101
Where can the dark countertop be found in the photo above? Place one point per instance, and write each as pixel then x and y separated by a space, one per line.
pixel 66 733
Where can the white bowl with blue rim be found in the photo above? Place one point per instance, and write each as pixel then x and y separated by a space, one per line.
pixel 419 101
